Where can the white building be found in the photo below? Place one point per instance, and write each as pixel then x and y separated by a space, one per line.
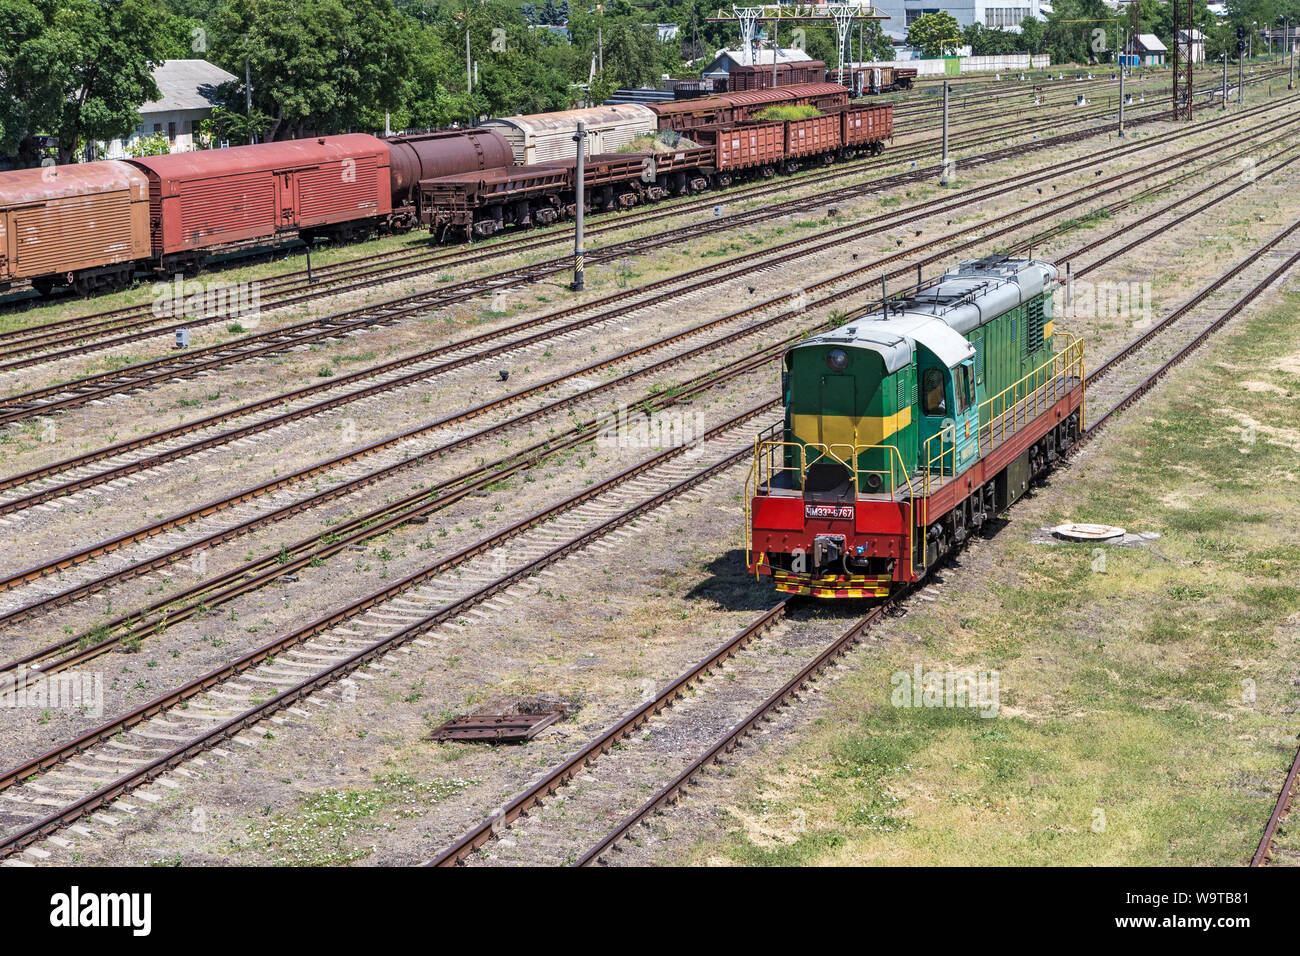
pixel 994 14
pixel 1198 45
pixel 188 89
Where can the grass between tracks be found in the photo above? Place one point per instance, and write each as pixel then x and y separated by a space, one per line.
pixel 1148 694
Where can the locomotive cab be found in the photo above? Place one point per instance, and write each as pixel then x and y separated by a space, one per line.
pixel 908 428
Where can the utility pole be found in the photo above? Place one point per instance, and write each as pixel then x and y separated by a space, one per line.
pixel 1121 101
pixel 248 99
pixel 943 179
pixel 600 47
pixel 580 175
pixel 1224 104
pixel 776 26
pixel 469 65
pixel 1290 45
pixel 1239 73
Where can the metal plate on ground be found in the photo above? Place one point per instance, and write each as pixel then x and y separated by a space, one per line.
pixel 495 728
pixel 1087 532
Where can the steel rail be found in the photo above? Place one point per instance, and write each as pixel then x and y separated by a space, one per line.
pixel 131 779
pixel 113 544
pixel 393 309
pixel 1264 852
pixel 519 805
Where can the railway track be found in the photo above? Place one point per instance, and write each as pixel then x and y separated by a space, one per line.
pixel 1281 810
pixel 218 725
pixel 25 348
pixel 138 625
pixel 134 749
pixel 97 321
pixel 553 837
pixel 59 479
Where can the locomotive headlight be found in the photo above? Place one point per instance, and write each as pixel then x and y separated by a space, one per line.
pixel 837 360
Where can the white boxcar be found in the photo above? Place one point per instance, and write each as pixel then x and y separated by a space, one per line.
pixel 543 137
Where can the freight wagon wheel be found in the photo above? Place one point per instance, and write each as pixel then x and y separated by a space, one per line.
pixel 44 287
pixel 84 286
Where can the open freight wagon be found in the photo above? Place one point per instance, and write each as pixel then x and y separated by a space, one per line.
pixel 480 204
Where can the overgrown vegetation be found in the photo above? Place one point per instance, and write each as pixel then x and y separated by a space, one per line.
pixel 1144 691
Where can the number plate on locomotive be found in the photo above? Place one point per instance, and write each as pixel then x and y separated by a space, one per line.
pixel 834 512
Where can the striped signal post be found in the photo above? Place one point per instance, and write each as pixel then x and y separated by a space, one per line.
pixel 943 179
pixel 579 175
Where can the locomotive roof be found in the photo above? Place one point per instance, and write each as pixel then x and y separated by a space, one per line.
pixel 940 317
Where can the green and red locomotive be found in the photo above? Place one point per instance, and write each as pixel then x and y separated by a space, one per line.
pixel 907 429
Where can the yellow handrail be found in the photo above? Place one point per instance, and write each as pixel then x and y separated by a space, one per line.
pixel 771 453
pixel 770 460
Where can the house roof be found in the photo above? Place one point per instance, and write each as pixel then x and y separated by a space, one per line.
pixel 1151 43
pixel 186 85
pixel 762 56
pixel 1197 35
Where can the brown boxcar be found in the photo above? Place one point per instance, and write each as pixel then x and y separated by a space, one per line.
pixel 747 146
pixel 761 77
pixel 813 136
pixel 736 107
pixel 86 225
pixel 331 185
pixel 866 125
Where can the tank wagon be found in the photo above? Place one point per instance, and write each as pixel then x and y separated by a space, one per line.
pixel 480 204
pixel 418 156
pixel 909 428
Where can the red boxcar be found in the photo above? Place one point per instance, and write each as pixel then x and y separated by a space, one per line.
pixel 813 136
pixel 86 225
pixel 866 125
pixel 331 185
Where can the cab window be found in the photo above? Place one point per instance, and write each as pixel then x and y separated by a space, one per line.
pixel 932 389
pixel 961 381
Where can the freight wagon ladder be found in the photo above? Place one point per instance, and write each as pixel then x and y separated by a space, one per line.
pixel 1005 416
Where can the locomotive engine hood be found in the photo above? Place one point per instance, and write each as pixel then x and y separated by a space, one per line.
pixel 941 316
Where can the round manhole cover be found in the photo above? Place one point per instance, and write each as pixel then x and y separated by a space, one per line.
pixel 1087 532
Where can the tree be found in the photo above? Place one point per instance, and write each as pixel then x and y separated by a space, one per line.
pixel 155 144
pixel 317 65
pixel 934 34
pixel 78 69
pixel 1031 35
